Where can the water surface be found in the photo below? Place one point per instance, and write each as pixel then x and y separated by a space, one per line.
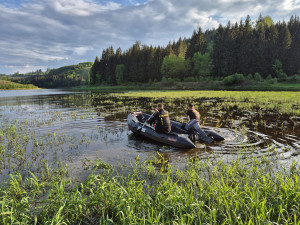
pixel 76 128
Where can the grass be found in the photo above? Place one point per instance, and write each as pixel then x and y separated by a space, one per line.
pixel 8 85
pixel 282 102
pixel 248 191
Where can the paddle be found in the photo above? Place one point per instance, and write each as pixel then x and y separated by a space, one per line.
pixel 139 129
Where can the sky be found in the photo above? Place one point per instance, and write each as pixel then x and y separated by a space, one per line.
pixel 41 34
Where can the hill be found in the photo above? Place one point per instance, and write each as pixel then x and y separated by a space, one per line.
pixel 6 85
pixel 67 76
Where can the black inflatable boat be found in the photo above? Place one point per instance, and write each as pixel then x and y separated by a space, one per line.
pixel 181 136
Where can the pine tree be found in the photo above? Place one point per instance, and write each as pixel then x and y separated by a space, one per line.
pixel 197 44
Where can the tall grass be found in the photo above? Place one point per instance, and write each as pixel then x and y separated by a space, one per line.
pixel 248 191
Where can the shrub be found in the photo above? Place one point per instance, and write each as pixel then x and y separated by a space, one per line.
pixel 272 81
pixel 282 76
pixel 168 81
pixel 295 78
pixel 249 77
pixel 269 77
pixel 235 78
pixel 257 77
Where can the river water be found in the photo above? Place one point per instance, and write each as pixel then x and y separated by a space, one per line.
pixel 77 128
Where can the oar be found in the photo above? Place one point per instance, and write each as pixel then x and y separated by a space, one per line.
pixel 139 129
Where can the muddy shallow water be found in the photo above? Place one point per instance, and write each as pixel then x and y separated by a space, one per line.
pixel 76 128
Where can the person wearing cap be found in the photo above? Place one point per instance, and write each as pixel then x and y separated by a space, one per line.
pixel 192 113
pixel 163 124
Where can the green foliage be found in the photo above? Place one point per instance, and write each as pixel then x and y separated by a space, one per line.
pixel 201 64
pixel 265 22
pixel 168 81
pixel 295 78
pixel 282 76
pixel 7 85
pixel 235 78
pixel 277 67
pixel 4 77
pixel 67 76
pixel 245 191
pixel 173 67
pixel 249 77
pixel 269 77
pixel 257 77
pixel 272 80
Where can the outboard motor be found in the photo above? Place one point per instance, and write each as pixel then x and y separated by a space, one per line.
pixel 193 126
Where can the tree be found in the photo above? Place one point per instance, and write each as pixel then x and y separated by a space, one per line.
pixel 120 68
pixel 180 48
pixel 197 44
pixel 94 71
pixel 201 64
pixel 173 67
pixel 264 22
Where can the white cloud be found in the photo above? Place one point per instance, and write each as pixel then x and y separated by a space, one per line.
pixel 53 33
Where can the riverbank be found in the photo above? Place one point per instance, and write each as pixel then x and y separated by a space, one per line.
pixel 211 85
pixel 8 85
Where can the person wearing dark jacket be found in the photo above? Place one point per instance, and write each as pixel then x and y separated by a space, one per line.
pixel 192 113
pixel 163 124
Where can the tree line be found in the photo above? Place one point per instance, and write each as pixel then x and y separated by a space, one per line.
pixel 247 47
pixel 67 76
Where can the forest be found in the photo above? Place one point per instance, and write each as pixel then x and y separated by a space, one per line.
pixel 67 76
pixel 257 50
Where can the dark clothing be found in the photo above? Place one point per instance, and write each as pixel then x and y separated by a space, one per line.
pixel 163 124
pixel 193 114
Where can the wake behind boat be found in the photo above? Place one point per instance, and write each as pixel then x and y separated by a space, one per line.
pixel 181 136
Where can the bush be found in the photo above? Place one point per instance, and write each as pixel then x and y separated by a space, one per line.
pixel 235 78
pixel 295 78
pixel 282 76
pixel 269 77
pixel 249 77
pixel 257 77
pixel 272 81
pixel 168 81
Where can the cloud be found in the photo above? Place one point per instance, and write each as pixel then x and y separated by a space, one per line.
pixel 53 33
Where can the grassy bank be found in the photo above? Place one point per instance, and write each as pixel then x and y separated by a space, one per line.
pixel 210 85
pixel 8 85
pixel 248 191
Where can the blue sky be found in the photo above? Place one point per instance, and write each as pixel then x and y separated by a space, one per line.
pixel 41 34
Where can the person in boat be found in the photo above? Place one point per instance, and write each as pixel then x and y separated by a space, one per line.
pixel 163 124
pixel 192 113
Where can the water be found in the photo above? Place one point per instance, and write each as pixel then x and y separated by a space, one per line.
pixel 76 128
